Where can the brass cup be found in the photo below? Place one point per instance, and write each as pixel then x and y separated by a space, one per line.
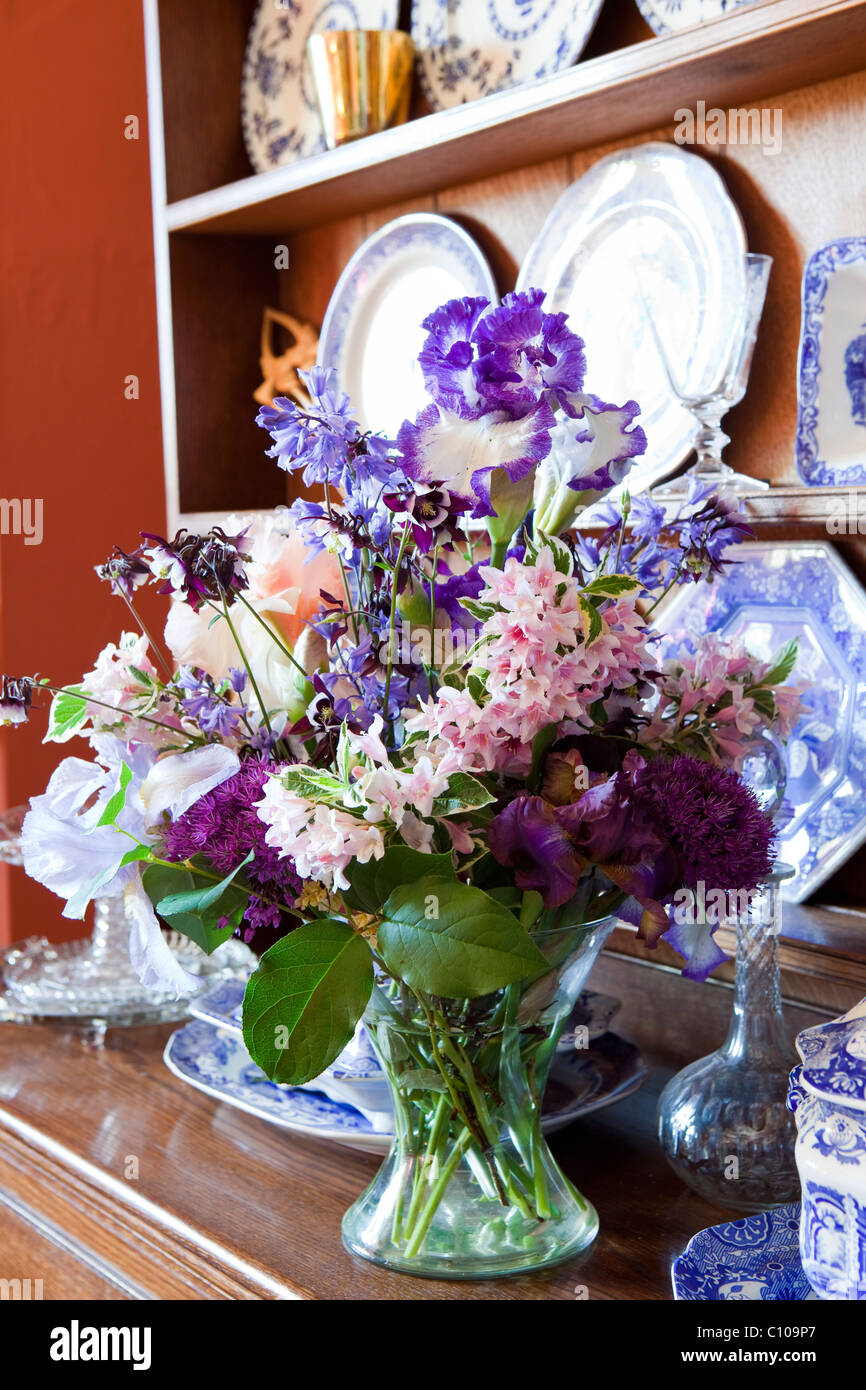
pixel 363 80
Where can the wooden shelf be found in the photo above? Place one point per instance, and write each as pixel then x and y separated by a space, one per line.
pixel 755 51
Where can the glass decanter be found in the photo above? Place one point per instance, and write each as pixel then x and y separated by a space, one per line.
pixel 723 1121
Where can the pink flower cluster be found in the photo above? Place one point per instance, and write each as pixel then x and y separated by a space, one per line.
pixel 712 693
pixel 536 668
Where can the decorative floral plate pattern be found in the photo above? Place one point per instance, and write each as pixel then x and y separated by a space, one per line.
pixel 278 104
pixel 664 15
pixel 215 1062
pixel 755 1258
pixel 470 48
pixel 648 233
pixel 372 330
pixel 800 589
pixel 831 415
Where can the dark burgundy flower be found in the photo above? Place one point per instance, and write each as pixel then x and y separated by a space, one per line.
pixel 199 568
pixel 16 693
pixel 125 573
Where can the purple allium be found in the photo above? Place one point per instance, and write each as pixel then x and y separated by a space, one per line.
pixel 223 827
pixel 16 693
pixel 710 818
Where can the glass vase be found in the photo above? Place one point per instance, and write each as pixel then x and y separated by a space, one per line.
pixel 723 1121
pixel 470 1188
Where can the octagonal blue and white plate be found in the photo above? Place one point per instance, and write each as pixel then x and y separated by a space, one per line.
pixel 470 48
pixel 831 383
pixel 372 332
pixel 751 1260
pixel 280 118
pixel 216 1062
pixel 799 589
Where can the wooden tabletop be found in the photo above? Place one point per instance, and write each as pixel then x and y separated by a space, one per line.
pixel 158 1191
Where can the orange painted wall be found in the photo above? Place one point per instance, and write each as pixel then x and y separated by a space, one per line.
pixel 78 316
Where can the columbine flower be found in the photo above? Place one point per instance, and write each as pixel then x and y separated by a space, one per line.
pixel 211 708
pixel 223 827
pixel 433 516
pixel 16 693
pixel 125 573
pixel 199 569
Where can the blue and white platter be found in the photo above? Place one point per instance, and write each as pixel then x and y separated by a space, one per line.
pixel 831 415
pixel 470 48
pixel 646 247
pixel 801 589
pixel 216 1062
pixel 756 1258
pixel 664 15
pixel 372 331
pixel 279 114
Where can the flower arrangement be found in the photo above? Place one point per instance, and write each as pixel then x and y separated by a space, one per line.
pixel 413 742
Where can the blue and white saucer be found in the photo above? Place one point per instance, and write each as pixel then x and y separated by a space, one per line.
pixel 467 49
pixel 753 1259
pixel 216 1062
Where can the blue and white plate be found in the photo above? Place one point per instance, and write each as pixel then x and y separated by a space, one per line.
pixel 831 417
pixel 215 1062
pixel 279 114
pixel 646 246
pixel 356 1078
pixel 468 49
pixel 799 589
pixel 372 332
pixel 754 1259
pixel 664 15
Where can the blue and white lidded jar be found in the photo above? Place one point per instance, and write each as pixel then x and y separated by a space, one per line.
pixel 828 1097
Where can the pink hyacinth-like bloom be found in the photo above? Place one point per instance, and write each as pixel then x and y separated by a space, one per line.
pixel 536 669
pixel 322 840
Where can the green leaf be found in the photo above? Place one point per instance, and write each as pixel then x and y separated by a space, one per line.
pixel 480 611
pixel 316 784
pixel 612 585
pixel 138 852
pixel 453 940
pixel 199 899
pixel 116 803
pixel 783 663
pixel 161 883
pixel 304 1000
pixel 463 793
pixel 68 711
pixel 373 882
pixel 540 744
pixel 592 620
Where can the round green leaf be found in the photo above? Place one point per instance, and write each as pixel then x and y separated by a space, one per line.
pixel 304 1000
pixel 447 938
